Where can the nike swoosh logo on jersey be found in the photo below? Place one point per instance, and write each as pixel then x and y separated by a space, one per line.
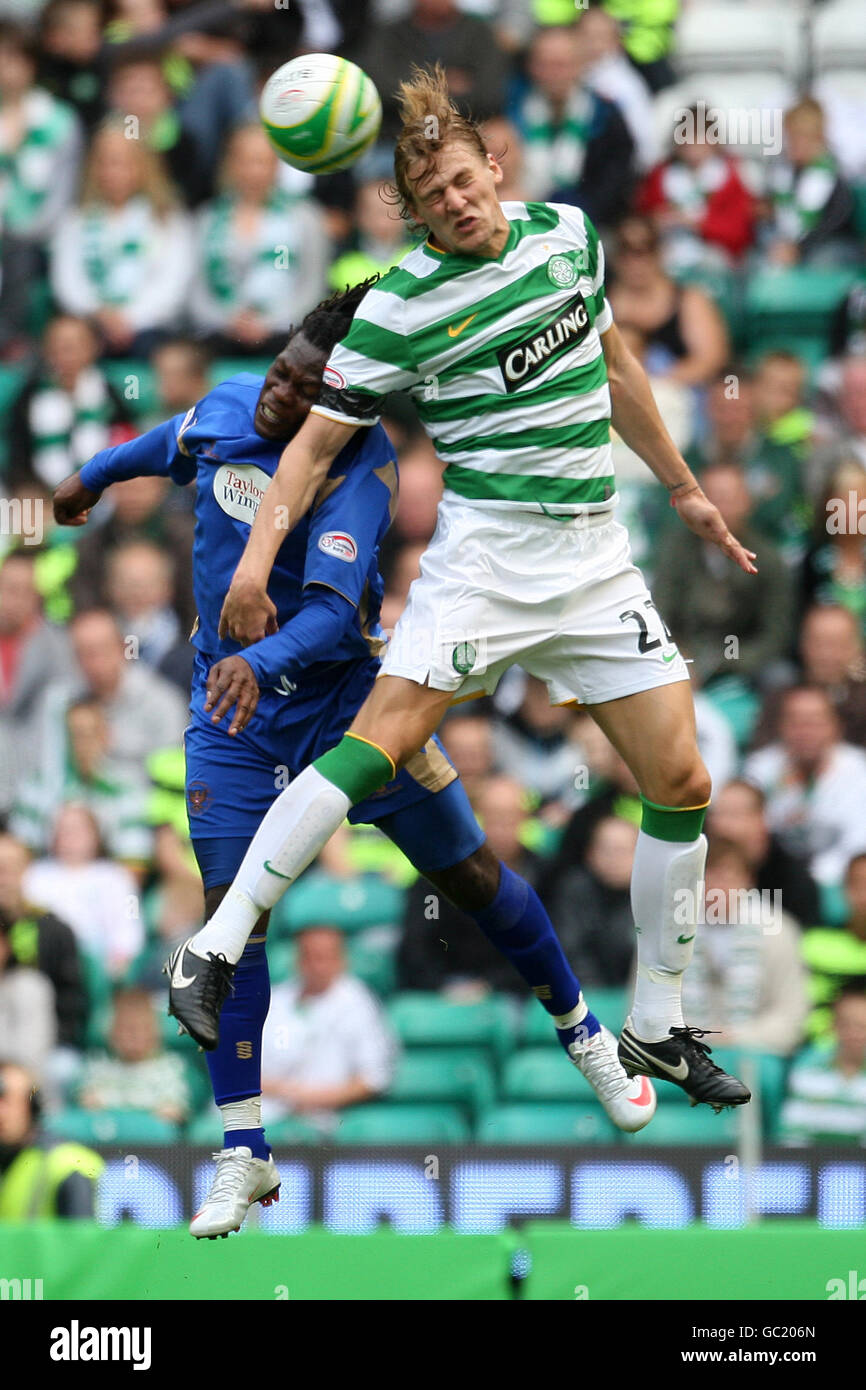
pixel 671 657
pixel 677 1073
pixel 684 940
pixel 455 332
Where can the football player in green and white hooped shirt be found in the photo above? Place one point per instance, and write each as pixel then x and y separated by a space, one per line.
pixel 499 327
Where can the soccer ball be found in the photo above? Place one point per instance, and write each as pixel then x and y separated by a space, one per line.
pixel 320 112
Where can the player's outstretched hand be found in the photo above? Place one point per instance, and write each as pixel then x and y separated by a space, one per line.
pixel 705 519
pixel 247 614
pixel 231 682
pixel 73 501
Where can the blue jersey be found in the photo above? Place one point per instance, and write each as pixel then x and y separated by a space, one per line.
pixel 335 545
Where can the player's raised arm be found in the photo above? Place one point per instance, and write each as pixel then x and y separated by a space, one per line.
pixel 635 416
pixel 158 452
pixel 248 614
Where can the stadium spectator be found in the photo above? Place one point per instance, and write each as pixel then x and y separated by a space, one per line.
pixel 440 947
pixel 123 256
pixel 136 1073
pixel 261 254
pixel 436 32
pixel 28 1020
pixel 747 981
pixel 505 143
pixel 144 712
pixel 117 800
pixel 578 147
pixel 756 419
pixel 420 492
pixel 535 742
pixel 326 1043
pixel 38 1177
pixel 698 200
pixel 141 509
pixel 732 624
pixel 835 566
pixel 40 146
pixel 591 909
pixel 404 570
pixel 810 203
pixel 607 70
pixel 138 92
pixel 379 239
pixel 648 36
pixel 44 942
pixel 33 653
pixel 67 410
pixel 71 59
pixel 832 656
pixel 181 370
pixel 738 814
pixel 468 739
pixel 140 587
pixel 172 906
pixel 826 1099
pixel 97 897
pixel 833 955
pixel 681 323
pixel 815 785
pixel 848 333
pixel 844 422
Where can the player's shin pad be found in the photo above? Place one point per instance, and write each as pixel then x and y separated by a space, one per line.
pixel 296 828
pixel 665 883
pixel 666 878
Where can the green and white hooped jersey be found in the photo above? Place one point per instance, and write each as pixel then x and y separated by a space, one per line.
pixel 503 360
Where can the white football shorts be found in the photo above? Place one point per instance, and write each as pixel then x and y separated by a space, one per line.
pixel 561 598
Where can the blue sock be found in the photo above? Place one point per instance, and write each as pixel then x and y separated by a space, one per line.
pixel 518 926
pixel 236 1064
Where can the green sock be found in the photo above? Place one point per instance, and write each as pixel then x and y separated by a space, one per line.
pixel 680 824
pixel 357 767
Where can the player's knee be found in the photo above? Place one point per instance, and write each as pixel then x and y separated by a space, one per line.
pixel 473 883
pixel 688 785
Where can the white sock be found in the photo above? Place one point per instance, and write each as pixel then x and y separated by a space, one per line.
pixel 242 1114
pixel 664 901
pixel 301 821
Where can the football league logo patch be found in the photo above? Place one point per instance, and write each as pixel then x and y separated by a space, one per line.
pixel 331 377
pixel 339 544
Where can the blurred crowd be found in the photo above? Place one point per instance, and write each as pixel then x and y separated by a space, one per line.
pixel 152 243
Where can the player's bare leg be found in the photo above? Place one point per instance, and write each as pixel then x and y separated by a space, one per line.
pixel 654 732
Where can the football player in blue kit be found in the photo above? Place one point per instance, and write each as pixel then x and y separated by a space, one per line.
pixel 293 695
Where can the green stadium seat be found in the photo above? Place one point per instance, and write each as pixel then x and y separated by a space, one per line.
pixel 682 1125
pixel 371 959
pixel 135 383
pixel 97 985
pixel 550 1123
pixel 786 305
pixel 610 1005
pixel 544 1073
pixel 428 1020
pixel 402 1124
pixel 739 705
pixel 12 379
pixel 281 961
pixel 111 1127
pixel 445 1074
pixel 207 1129
pixel 351 904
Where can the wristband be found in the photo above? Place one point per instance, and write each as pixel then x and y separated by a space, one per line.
pixel 675 496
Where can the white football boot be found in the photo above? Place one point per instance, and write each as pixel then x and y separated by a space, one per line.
pixel 239 1181
pixel 630 1102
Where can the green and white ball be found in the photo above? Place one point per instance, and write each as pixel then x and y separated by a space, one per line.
pixel 320 112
